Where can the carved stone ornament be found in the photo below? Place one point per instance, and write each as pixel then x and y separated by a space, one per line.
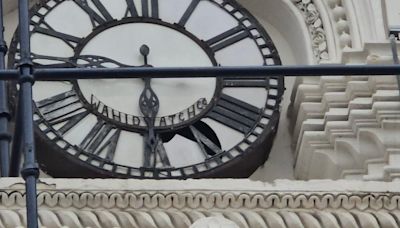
pixel 124 203
pixel 316 28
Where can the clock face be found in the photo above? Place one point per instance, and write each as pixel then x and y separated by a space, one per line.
pixel 144 127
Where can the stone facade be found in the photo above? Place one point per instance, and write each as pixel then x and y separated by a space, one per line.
pixel 348 125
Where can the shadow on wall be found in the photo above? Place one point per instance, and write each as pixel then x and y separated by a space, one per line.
pixel 287 28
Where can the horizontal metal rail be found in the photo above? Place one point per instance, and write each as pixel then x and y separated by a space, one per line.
pixel 60 74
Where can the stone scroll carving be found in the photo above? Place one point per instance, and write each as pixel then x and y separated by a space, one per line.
pixel 205 201
pixel 316 28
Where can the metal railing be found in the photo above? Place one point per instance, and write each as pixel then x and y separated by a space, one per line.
pixel 23 141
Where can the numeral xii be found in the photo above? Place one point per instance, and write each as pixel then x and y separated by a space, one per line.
pixel 149 8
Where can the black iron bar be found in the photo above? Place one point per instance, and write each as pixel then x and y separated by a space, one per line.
pixel 85 73
pixel 5 137
pixel 57 74
pixel 30 170
pixel 16 155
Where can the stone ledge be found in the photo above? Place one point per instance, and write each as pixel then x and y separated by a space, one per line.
pixel 203 194
pixel 149 203
pixel 204 185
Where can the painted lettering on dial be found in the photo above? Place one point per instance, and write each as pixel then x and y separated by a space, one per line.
pixel 138 121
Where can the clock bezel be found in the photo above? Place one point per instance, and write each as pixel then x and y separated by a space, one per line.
pixel 229 168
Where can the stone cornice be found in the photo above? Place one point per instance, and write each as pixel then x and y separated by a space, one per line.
pixel 204 194
pixel 178 219
pixel 204 185
pixel 214 200
pixel 147 203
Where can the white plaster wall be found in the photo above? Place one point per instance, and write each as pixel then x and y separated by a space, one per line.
pixel 393 12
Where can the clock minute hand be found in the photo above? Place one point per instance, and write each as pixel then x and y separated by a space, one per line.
pixel 149 106
pixel 85 61
pixel 95 61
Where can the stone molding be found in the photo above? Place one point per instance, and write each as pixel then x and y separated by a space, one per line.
pixel 132 203
pixel 316 26
pixel 204 194
pixel 184 219
pixel 212 200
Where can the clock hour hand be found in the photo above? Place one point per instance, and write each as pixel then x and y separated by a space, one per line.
pixel 149 105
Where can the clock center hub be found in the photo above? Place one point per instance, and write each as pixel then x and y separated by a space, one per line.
pixel 177 96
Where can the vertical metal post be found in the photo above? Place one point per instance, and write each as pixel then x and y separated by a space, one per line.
pixel 395 57
pixel 16 153
pixel 30 171
pixel 5 136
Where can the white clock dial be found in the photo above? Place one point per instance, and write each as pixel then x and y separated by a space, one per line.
pixel 147 127
pixel 175 50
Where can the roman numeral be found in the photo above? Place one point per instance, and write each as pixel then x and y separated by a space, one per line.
pixel 189 11
pixel 235 114
pixel 96 141
pixel 95 18
pixel 146 11
pixel 154 151
pixel 260 82
pixel 62 108
pixel 46 29
pixel 149 8
pixel 203 142
pixel 228 38
pixel 131 8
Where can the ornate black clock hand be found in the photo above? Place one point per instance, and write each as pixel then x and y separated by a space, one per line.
pixel 82 61
pixel 94 61
pixel 149 106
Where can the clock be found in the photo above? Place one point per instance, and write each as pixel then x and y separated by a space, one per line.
pixel 149 127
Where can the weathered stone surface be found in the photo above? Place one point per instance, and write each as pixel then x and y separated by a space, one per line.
pixel 129 203
pixel 348 142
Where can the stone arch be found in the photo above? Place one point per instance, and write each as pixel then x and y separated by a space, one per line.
pixel 287 28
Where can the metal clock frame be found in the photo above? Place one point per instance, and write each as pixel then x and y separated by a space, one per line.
pixel 26 75
pixel 213 164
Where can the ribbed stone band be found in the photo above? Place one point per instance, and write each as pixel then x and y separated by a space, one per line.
pixel 133 203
